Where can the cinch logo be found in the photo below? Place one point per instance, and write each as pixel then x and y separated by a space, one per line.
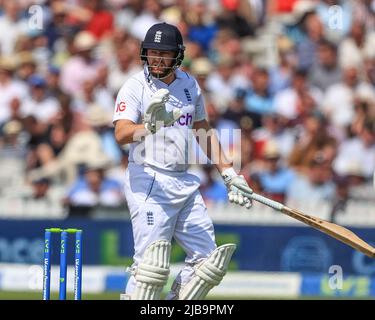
pixel 185 120
pixel 158 36
pixel 121 107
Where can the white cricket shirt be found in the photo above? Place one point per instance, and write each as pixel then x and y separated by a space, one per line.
pixel 169 148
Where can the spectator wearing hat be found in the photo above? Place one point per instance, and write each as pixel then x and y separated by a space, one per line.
pixel 313 136
pixel 281 74
pixel 39 105
pixel 224 81
pixel 238 113
pixel 201 68
pixel 10 89
pixel 12 141
pixel 316 186
pixel 40 188
pixel 57 24
pixel 273 127
pixel 94 189
pixel 91 95
pixel 357 46
pixel 12 26
pixel 295 17
pixel 40 51
pixel 298 98
pixel 26 65
pixel 81 66
pixel 274 178
pixel 312 32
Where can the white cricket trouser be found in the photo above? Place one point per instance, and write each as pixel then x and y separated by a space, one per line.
pixel 165 205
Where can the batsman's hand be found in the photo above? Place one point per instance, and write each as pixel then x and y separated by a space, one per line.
pixel 238 188
pixel 157 116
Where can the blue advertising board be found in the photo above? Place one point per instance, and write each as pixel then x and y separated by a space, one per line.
pixel 259 248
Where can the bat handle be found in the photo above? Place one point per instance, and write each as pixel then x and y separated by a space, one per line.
pixel 268 202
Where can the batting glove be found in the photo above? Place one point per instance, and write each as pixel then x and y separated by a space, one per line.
pixel 238 189
pixel 157 116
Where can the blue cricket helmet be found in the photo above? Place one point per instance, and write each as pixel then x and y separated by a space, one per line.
pixel 164 36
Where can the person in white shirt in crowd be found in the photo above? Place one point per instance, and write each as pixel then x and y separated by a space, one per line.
pixel 12 26
pixel 315 187
pixel 339 99
pixel 123 68
pixel 10 89
pixel 223 82
pixel 289 102
pixel 39 105
pixel 81 66
pixel 94 189
pixel 359 149
pixel 357 46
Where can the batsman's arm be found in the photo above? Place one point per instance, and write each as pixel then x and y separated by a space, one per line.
pixel 210 144
pixel 126 131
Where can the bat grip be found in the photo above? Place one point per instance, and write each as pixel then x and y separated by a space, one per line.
pixel 268 202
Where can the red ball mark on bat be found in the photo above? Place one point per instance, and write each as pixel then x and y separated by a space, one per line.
pixel 121 106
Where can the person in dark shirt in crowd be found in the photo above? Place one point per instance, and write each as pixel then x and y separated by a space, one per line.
pixel 237 112
pixel 325 70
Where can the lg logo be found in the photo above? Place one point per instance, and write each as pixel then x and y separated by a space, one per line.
pixel 121 106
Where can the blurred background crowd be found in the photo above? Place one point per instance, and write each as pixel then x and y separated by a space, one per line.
pixel 296 76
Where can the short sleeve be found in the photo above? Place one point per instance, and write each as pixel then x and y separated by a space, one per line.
pixel 128 101
pixel 200 111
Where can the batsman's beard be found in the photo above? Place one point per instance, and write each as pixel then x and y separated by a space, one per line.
pixel 160 72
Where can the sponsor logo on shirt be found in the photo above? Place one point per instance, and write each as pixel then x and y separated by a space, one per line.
pixel 185 120
pixel 121 106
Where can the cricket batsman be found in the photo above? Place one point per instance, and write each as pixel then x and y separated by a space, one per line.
pixel 156 111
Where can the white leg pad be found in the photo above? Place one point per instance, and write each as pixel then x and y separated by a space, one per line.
pixel 208 274
pixel 152 273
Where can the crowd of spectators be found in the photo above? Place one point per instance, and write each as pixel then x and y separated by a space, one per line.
pixel 296 76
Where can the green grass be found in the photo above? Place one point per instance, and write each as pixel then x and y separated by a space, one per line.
pixel 36 295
